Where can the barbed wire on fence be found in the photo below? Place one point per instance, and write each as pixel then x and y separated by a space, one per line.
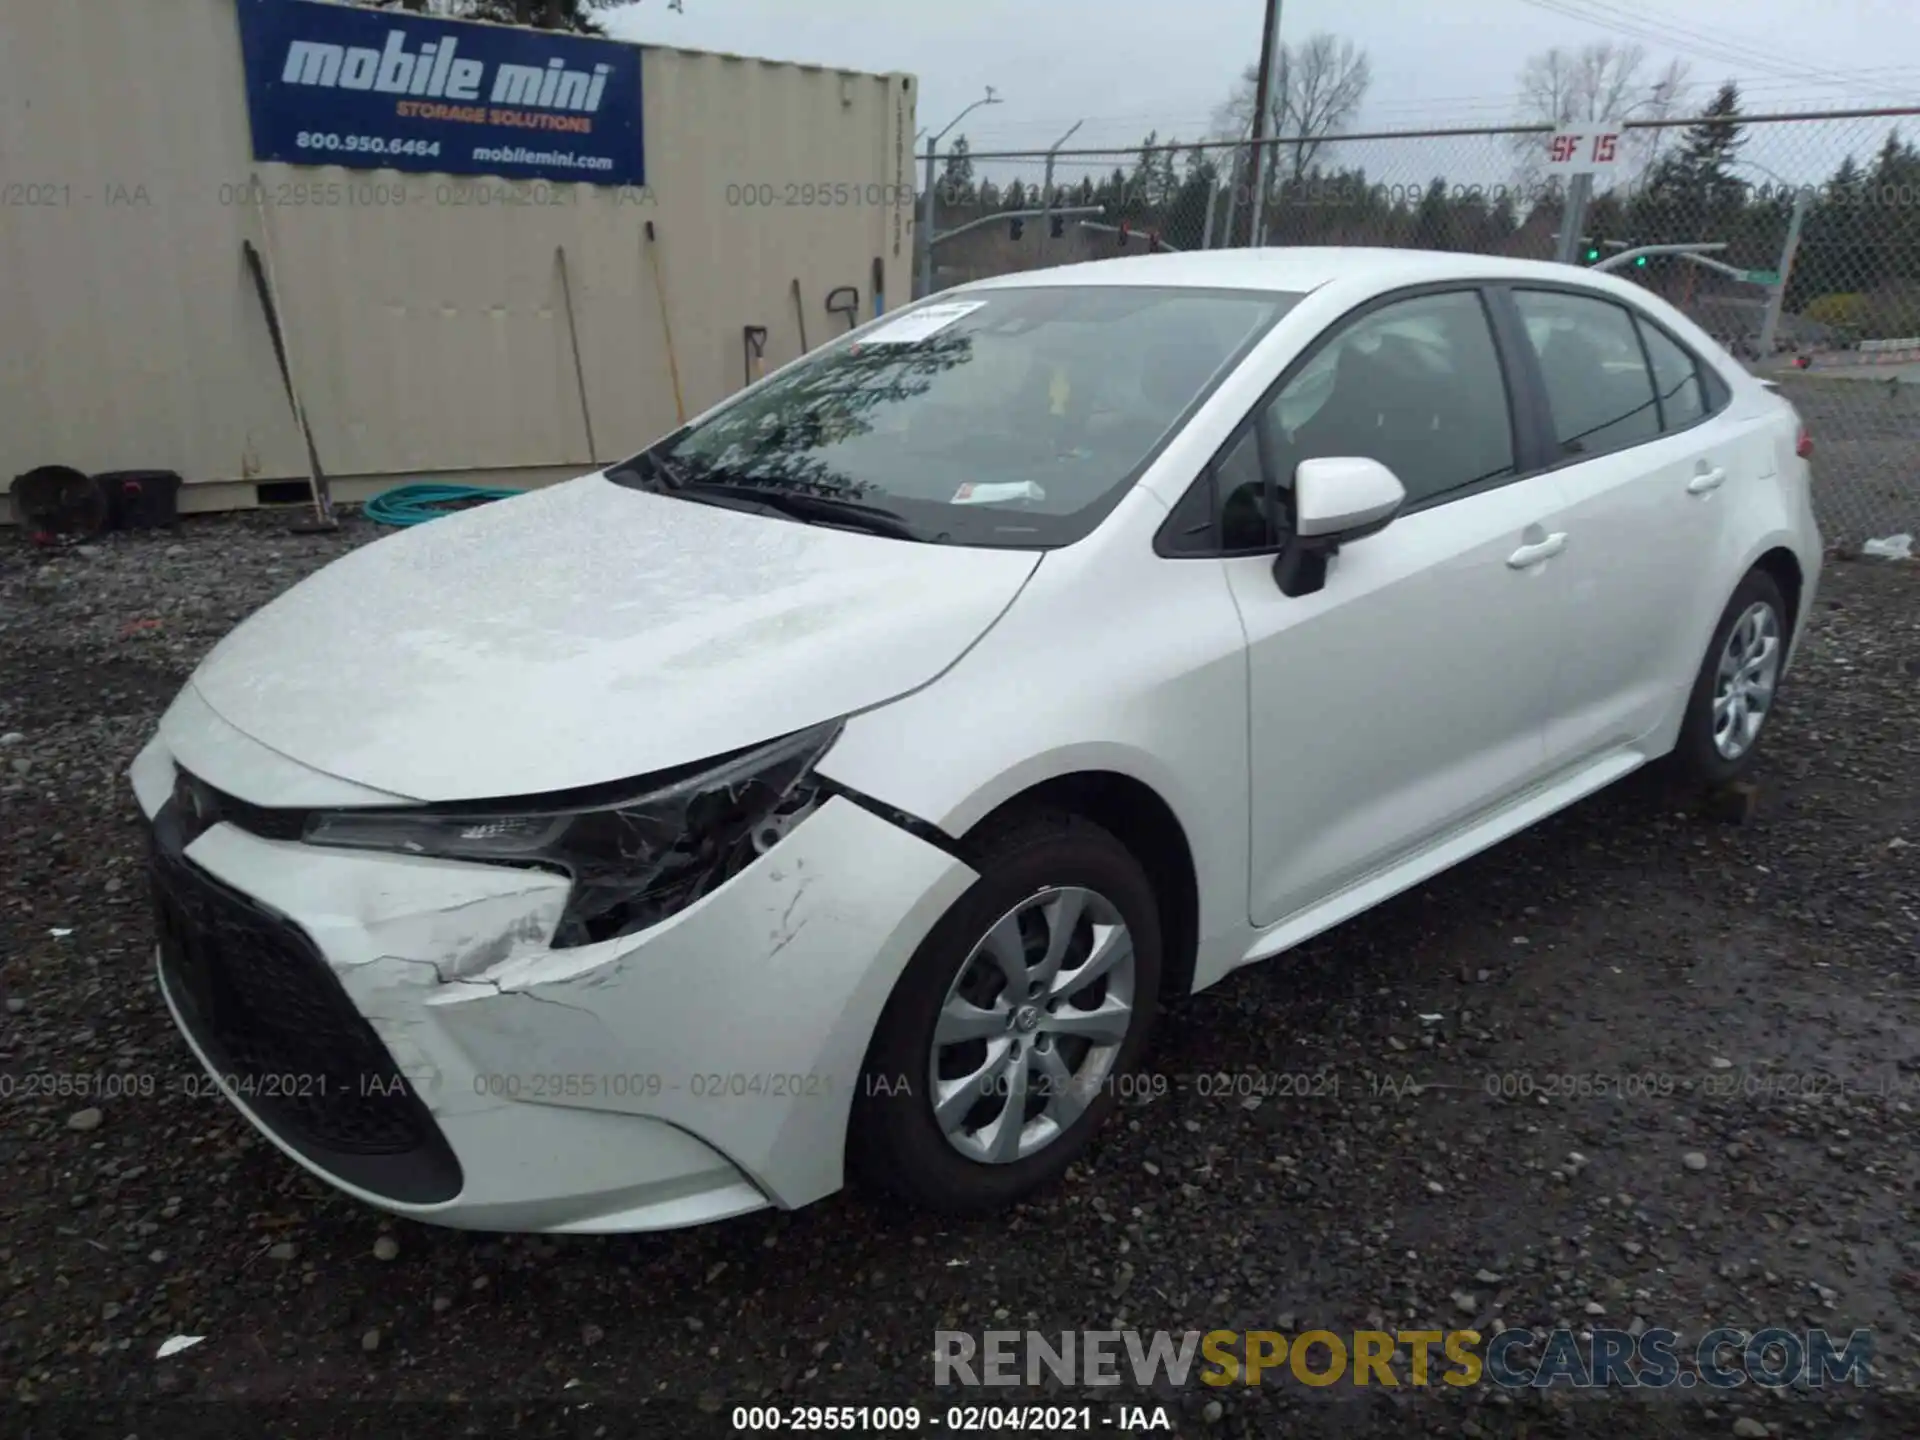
pixel 1828 203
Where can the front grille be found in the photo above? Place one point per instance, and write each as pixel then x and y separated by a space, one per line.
pixel 272 1018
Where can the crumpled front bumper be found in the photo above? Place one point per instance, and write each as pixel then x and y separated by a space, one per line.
pixel 701 1069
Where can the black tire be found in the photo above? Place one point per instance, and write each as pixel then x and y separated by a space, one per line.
pixel 895 1144
pixel 1696 760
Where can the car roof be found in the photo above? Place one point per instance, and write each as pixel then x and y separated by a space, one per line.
pixel 1298 269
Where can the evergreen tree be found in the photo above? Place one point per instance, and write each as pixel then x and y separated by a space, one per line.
pixel 1432 224
pixel 1704 164
pixel 1143 185
pixel 1185 221
pixel 1166 177
pixel 956 177
pixel 1892 232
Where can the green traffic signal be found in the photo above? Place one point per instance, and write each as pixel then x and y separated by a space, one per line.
pixel 1639 260
pixel 1592 255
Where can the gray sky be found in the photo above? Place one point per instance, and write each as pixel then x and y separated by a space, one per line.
pixel 1130 66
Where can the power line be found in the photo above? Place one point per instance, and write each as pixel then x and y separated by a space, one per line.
pixel 1697 46
pixel 1756 56
pixel 1571 9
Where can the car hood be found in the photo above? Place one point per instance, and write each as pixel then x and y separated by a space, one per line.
pixel 588 633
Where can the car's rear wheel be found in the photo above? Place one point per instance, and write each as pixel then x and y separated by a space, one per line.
pixel 1017 1024
pixel 1733 695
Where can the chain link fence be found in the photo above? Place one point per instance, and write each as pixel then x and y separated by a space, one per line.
pixel 1814 281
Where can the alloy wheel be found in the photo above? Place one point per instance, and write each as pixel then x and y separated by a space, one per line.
pixel 1032 1025
pixel 1744 684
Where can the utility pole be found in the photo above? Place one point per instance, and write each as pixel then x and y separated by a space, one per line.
pixel 1778 298
pixel 1233 192
pixel 1262 101
pixel 926 203
pixel 1046 200
pixel 1573 217
pixel 926 228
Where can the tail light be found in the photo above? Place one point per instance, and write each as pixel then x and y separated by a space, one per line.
pixel 1803 446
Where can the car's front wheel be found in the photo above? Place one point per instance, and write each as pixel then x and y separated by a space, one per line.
pixel 1733 695
pixel 1017 1024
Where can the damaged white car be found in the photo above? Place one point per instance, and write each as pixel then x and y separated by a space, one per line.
pixel 846 781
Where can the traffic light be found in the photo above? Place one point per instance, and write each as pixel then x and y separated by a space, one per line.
pixel 1639 261
pixel 1019 227
pixel 1593 251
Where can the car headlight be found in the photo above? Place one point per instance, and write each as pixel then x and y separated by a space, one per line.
pixel 635 857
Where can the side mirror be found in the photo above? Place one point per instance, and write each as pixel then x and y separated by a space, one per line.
pixel 1336 500
pixel 1344 499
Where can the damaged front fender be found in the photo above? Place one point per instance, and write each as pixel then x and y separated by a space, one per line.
pixel 745 1018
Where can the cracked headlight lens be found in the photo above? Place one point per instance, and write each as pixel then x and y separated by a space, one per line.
pixel 635 858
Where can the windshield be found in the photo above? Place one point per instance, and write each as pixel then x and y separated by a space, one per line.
pixel 1013 417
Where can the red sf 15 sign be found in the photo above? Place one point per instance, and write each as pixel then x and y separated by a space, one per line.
pixel 1574 150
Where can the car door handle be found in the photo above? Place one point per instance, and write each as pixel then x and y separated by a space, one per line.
pixel 1706 480
pixel 1533 554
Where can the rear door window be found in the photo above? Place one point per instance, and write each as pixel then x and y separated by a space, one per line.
pixel 1676 378
pixel 1598 386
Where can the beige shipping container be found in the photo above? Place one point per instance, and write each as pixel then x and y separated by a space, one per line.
pixel 427 317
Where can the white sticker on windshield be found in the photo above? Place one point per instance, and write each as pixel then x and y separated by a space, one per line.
pixel 911 329
pixel 998 493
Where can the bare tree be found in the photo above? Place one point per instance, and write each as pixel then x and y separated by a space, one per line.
pixel 1597 82
pixel 1317 89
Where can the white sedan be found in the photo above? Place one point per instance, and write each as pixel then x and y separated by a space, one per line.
pixel 846 781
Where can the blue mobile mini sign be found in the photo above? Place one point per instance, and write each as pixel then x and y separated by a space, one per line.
pixel 332 84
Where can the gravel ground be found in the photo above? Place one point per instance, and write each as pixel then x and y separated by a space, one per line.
pixel 1743 994
pixel 1866 450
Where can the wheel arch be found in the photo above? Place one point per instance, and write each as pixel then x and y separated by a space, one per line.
pixel 1775 556
pixel 1783 567
pixel 1136 815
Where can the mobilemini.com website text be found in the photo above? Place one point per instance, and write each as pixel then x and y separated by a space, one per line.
pixel 1589 1358
pixel 514 155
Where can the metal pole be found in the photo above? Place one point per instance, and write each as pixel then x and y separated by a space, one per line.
pixel 1001 217
pixel 1233 198
pixel 1233 189
pixel 1262 98
pixel 1695 250
pixel 926 209
pixel 323 516
pixel 1046 199
pixel 926 229
pixel 1778 298
pixel 579 369
pixel 1115 230
pixel 1573 220
pixel 1213 204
